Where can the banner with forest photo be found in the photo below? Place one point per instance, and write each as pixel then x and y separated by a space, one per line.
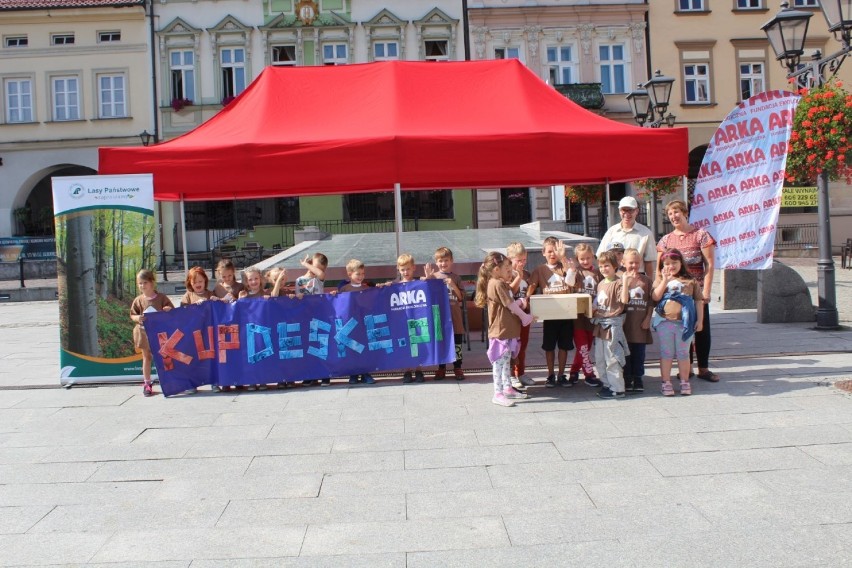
pixel 105 234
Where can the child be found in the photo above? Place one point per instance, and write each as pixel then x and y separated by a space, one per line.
pixel 549 278
pixel 618 249
pixel 586 282
pixel 253 290
pixel 520 282
pixel 313 280
pixel 278 277
pixel 637 320
pixel 311 283
pixel 506 316
pixel 271 278
pixel 678 315
pixel 406 268
pixel 227 289
pixel 444 262
pixel 148 298
pixel 356 273
pixel 610 343
pixel 196 287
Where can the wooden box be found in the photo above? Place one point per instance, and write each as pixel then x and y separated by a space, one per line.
pixel 560 306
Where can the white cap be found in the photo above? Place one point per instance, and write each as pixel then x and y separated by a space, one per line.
pixel 628 202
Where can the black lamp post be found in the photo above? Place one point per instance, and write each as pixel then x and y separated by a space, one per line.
pixel 649 100
pixel 145 137
pixel 787 32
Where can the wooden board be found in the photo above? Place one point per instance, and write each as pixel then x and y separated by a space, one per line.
pixel 560 306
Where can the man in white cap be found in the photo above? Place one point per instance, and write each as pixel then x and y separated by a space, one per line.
pixel 631 234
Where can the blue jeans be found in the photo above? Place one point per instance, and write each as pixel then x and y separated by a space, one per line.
pixel 635 364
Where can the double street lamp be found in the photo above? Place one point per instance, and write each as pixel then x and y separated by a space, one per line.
pixel 787 33
pixel 649 103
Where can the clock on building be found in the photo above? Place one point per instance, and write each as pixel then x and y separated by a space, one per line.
pixel 306 11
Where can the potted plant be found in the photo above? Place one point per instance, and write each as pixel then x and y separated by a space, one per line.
pixel 179 104
pixel 584 193
pixel 656 187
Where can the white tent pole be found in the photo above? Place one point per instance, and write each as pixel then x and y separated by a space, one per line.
pixel 606 208
pixel 397 207
pixel 183 234
pixel 684 180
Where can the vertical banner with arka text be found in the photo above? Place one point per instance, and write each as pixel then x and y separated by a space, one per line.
pixel 738 194
pixel 105 234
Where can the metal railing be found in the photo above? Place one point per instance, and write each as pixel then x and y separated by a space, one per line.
pixel 802 236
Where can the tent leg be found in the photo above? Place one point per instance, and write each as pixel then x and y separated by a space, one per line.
pixel 397 206
pixel 606 222
pixel 183 234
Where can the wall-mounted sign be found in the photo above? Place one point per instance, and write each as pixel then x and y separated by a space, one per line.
pixel 799 197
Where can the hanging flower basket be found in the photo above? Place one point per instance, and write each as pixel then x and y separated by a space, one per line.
pixel 179 104
pixel 584 193
pixel 658 187
pixel 820 141
pixel 227 100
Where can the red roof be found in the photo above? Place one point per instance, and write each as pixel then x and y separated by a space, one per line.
pixel 57 4
pixel 353 128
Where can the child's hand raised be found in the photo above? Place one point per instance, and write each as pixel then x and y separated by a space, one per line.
pixel 428 269
pixel 306 261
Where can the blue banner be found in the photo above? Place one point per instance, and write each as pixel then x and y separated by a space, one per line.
pixel 282 339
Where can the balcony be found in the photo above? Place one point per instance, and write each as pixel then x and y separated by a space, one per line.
pixel 587 95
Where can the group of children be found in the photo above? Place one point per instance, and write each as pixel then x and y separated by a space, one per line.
pixel 609 347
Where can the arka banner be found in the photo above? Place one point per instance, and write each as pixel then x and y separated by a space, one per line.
pixel 737 197
pixel 260 341
pixel 105 233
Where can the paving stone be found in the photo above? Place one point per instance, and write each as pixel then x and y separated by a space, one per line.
pixel 51 494
pixel 390 560
pixel 805 437
pixel 231 487
pixel 189 544
pixel 326 463
pixel 404 536
pixel 47 472
pixel 579 471
pixel 632 446
pixel 777 511
pixel 116 452
pixel 269 447
pixel 195 468
pixel 521 498
pixel 465 457
pixel 337 428
pixel 609 553
pixel 465 423
pixel 729 461
pixel 10 456
pixel 334 509
pixel 809 481
pixel 831 454
pixel 167 436
pixel 17 520
pixel 406 481
pixel 406 441
pixel 65 548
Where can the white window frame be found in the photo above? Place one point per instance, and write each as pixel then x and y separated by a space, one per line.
pixel 752 77
pixel 234 78
pixel 109 36
pixel 187 74
pixel 691 6
pixel 385 44
pixel 559 65
pixel 108 105
pixel 336 57
pixel 749 5
pixel 443 57
pixel 25 111
pixel 16 41
pixel 67 87
pixel 62 39
pixel 508 52
pixel 806 3
pixel 612 66
pixel 696 80
pixel 275 63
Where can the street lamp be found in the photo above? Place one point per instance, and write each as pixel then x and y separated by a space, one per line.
pixel 145 137
pixel 787 32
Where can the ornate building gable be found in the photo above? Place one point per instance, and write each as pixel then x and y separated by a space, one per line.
pixel 230 31
pixel 432 29
pixel 385 26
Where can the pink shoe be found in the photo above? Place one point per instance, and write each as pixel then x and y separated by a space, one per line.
pixel 512 393
pixel 685 388
pixel 667 388
pixel 501 400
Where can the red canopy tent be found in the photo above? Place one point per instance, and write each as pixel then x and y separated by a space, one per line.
pixel 382 126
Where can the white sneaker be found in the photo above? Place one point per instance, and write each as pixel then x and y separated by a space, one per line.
pixel 527 381
pixel 516 383
pixel 501 399
pixel 511 393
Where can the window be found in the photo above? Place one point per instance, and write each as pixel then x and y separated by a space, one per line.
pixel 385 51
pixel 233 62
pixel 420 204
pixel 751 80
pixel 109 37
pixel 284 55
pixel 66 98
pixel 612 68
pixel 806 3
pixel 696 83
pixel 436 50
pixel 515 206
pixel 111 96
pixel 62 39
pixel 19 100
pixel 182 70
pixel 334 54
pixel 507 53
pixel 561 64
pixel 690 6
pixel 749 4
pixel 16 41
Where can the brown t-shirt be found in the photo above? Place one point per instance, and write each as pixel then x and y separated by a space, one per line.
pixel 608 304
pixel 672 310
pixel 350 287
pixel 690 245
pixel 586 282
pixel 141 303
pixel 548 280
pixel 455 301
pixel 221 290
pixel 640 306
pixel 502 324
pixel 192 298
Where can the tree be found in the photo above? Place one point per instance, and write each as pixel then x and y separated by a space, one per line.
pixel 82 306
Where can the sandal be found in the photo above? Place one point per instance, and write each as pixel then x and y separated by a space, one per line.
pixel 709 376
pixel 667 388
pixel 685 388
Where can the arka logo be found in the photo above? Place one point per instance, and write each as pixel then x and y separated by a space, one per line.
pixel 76 191
pixel 408 298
